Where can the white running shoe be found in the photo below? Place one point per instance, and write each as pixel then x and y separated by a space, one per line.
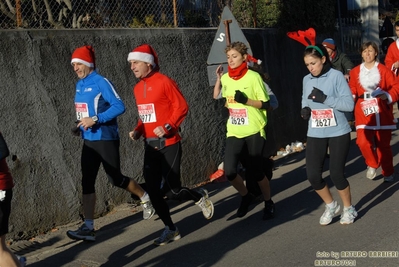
pixel 329 213
pixel 348 215
pixel 205 204
pixel 371 172
pixel 148 210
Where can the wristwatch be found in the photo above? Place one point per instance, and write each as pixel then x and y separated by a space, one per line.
pixel 95 119
pixel 168 127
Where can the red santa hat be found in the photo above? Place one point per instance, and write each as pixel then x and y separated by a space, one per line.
pixel 144 53
pixel 84 55
pixel 251 60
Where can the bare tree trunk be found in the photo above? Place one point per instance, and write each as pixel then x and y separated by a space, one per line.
pixel 49 13
pixel 6 11
pixel 10 6
pixel 34 6
pixel 68 4
pixel 74 21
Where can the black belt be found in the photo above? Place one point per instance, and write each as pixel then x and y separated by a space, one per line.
pixel 155 143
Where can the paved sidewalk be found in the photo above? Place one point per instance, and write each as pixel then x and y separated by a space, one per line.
pixel 293 238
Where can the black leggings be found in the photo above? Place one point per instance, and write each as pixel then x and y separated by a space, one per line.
pixel 5 211
pixel 252 148
pixel 93 154
pixel 165 163
pixel 316 149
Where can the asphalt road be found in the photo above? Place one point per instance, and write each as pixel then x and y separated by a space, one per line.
pixel 293 238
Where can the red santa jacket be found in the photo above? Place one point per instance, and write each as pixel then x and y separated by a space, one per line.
pixel 362 81
pixel 392 56
pixel 160 102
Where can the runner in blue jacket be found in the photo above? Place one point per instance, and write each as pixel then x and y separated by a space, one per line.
pixel 96 98
pixel 97 107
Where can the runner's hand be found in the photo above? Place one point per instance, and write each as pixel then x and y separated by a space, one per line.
pixel 305 113
pixel 240 97
pixel 134 135
pixel 317 95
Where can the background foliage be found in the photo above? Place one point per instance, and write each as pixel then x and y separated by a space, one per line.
pixel 60 14
pixel 288 15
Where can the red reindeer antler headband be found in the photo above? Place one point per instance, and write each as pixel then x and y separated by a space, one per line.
pixel 307 38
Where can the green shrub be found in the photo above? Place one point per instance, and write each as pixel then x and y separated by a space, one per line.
pixel 288 15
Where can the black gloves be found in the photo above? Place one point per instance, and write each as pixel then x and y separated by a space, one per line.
pixel 225 113
pixel 317 95
pixel 305 113
pixel 265 105
pixel 240 97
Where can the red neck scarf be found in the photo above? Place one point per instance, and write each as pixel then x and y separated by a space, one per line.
pixel 333 55
pixel 239 72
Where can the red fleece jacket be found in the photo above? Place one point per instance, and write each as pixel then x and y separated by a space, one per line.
pixel 159 102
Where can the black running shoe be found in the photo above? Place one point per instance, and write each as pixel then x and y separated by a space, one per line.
pixel 268 211
pixel 245 202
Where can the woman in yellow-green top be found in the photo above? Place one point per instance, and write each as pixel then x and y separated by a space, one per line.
pixel 247 101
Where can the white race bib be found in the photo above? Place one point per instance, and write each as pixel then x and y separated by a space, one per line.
pixel 323 118
pixel 238 116
pixel 82 110
pixel 369 106
pixel 147 113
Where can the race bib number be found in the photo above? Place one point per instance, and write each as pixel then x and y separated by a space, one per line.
pixel 238 116
pixel 323 118
pixel 82 110
pixel 147 113
pixel 369 106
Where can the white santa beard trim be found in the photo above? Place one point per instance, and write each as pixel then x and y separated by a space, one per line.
pixel 369 78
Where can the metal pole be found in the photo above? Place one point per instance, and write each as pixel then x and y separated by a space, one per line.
pixel 175 12
pixel 227 28
pixel 254 12
pixel 18 13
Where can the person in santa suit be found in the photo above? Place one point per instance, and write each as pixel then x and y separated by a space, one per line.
pixel 375 89
pixel 392 56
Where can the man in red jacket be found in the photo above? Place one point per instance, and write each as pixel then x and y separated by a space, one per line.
pixel 162 108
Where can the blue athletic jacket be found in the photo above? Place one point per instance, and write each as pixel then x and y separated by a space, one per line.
pixel 95 95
